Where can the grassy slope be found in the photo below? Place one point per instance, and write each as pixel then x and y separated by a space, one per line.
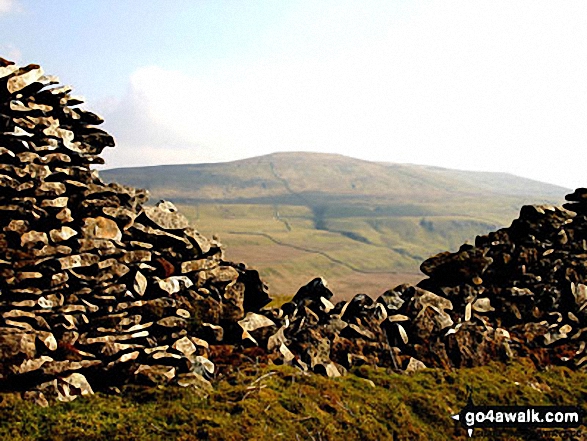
pixel 289 257
pixel 274 403
pixel 285 176
pixel 363 226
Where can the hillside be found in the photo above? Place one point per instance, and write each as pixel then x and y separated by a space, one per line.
pixel 300 178
pixel 364 226
pixel 281 403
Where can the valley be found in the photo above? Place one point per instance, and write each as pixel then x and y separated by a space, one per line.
pixel 363 226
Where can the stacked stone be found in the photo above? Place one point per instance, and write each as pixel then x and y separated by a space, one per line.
pixel 95 287
pixel 520 291
pixel 577 201
pixel 313 334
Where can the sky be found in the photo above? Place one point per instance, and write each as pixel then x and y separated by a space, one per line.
pixel 474 85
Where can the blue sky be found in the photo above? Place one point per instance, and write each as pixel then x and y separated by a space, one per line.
pixel 479 85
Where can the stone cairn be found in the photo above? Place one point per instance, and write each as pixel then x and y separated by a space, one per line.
pixel 98 289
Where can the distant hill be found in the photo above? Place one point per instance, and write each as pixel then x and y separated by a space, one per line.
pixel 363 224
pixel 299 177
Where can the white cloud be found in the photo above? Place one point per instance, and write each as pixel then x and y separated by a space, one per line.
pixel 475 85
pixel 8 6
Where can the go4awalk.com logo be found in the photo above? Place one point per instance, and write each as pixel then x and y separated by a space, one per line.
pixel 495 417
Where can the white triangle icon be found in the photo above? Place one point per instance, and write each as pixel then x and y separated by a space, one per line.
pixel 456 417
pixel 470 432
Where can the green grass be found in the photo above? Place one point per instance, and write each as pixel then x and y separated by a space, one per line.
pixel 308 177
pixel 357 253
pixel 279 402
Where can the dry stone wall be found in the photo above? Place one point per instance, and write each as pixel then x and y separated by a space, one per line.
pixel 98 289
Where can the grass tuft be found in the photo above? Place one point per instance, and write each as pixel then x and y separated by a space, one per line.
pixel 281 402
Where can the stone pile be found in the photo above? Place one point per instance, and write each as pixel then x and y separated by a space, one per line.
pixel 519 291
pixel 98 289
pixel 95 287
pixel 313 334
